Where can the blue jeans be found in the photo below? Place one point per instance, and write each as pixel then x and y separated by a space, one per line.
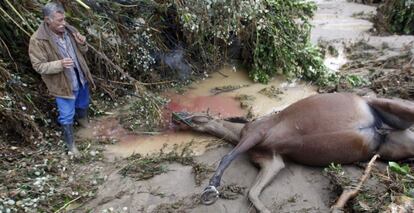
pixel 67 107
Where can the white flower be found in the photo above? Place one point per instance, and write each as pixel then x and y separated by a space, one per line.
pixel 11 202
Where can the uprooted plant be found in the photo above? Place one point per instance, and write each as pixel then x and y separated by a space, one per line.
pixel 145 167
pixel 145 114
pixel 386 187
pixel 395 17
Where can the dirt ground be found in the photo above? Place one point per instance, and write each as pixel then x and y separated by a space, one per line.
pixel 296 188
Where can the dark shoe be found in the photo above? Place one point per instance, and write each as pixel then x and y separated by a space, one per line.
pixel 83 122
pixel 82 117
pixel 69 139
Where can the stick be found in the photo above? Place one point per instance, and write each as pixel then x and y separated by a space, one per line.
pixel 137 84
pixel 118 68
pixel 224 75
pixel 20 16
pixel 348 194
pixel 18 25
pixel 67 204
pixel 83 4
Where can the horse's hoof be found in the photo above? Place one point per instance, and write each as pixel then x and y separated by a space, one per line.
pixel 210 195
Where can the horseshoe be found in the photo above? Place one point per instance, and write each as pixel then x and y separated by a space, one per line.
pixel 210 195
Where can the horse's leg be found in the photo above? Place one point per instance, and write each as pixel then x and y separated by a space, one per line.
pixel 398 114
pixel 210 194
pixel 398 145
pixel 270 165
pixel 226 130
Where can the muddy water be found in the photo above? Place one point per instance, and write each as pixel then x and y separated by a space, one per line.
pixel 336 22
pixel 197 99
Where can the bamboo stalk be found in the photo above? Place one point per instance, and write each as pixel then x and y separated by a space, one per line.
pixel 348 194
pixel 8 52
pixel 67 204
pixel 8 16
pixel 21 17
pixel 83 4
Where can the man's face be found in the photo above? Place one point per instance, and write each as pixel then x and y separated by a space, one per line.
pixel 56 22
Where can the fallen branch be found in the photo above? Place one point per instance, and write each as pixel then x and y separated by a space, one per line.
pixel 224 75
pixel 105 58
pixel 67 204
pixel 348 194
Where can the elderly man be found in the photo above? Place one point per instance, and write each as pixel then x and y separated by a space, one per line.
pixel 55 51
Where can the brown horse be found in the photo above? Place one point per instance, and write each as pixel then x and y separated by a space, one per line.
pixel 341 128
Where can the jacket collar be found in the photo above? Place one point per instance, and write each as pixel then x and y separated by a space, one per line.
pixel 44 32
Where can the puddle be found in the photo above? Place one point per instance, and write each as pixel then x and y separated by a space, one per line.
pixel 224 106
pixel 197 99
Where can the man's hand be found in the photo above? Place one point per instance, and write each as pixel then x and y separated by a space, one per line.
pixel 80 39
pixel 67 63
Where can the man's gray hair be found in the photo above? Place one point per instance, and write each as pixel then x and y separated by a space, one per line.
pixel 50 8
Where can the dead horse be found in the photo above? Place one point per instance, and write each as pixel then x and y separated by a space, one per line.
pixel 341 128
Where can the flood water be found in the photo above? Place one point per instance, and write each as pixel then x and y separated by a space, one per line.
pixel 198 99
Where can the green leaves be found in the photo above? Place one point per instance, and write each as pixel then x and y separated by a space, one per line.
pixel 355 80
pixel 402 170
pixel 399 15
pixel 404 177
pixel 274 35
pixel 284 46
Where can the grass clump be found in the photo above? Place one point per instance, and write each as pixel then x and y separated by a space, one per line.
pixel 145 114
pixel 145 167
pixel 271 92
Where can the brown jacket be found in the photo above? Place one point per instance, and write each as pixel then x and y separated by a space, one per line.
pixel 45 57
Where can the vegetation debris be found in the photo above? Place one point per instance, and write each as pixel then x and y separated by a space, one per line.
pixel 271 92
pixel 228 88
pixel 145 167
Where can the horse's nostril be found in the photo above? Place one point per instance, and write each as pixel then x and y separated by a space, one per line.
pixel 181 118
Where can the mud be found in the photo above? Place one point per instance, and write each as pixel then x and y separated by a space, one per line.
pixel 296 188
